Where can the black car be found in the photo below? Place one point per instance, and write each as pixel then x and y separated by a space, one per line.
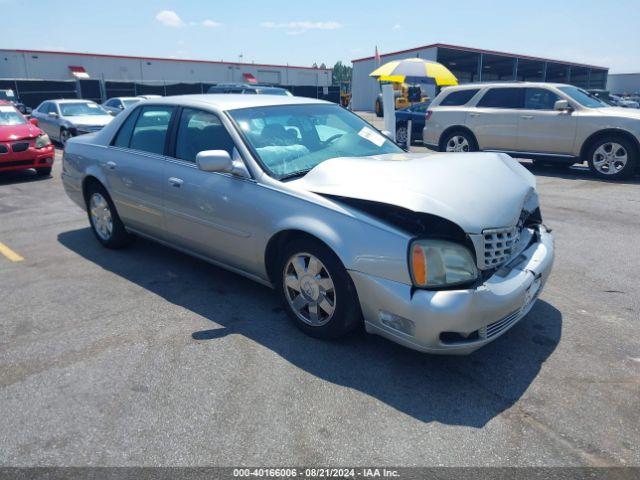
pixel 9 96
pixel 248 89
pixel 417 113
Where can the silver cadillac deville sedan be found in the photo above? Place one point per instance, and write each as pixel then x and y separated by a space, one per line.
pixel 441 253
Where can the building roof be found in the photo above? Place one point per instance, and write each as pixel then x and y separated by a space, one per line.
pixel 162 59
pixel 477 50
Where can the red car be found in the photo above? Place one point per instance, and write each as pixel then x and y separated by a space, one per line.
pixel 22 144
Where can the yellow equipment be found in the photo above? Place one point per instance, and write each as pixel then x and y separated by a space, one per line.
pixel 405 95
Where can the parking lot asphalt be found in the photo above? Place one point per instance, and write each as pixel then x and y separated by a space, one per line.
pixel 146 356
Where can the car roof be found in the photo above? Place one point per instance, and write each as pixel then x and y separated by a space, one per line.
pixel 507 84
pixel 70 100
pixel 230 101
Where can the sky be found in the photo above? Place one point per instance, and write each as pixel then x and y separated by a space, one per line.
pixel 301 32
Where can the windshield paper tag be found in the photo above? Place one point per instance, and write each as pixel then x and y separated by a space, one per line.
pixel 374 137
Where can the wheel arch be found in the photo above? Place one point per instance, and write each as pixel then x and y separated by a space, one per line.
pixel 586 145
pixel 88 181
pixel 277 242
pixel 454 128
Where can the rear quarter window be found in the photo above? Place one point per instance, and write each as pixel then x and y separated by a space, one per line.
pixel 459 98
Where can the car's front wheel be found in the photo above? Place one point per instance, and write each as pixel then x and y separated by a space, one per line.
pixel 459 141
pixel 64 136
pixel 43 171
pixel 104 219
pixel 613 158
pixel 316 290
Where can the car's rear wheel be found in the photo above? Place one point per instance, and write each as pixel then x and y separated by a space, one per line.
pixel 64 136
pixel 316 290
pixel 459 141
pixel 378 108
pixel 402 134
pixel 43 171
pixel 104 219
pixel 613 158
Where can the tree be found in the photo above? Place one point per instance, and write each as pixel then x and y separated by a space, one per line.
pixel 341 73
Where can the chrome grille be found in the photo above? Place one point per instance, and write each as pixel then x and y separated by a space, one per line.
pixel 498 245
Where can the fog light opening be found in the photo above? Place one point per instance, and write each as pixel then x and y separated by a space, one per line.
pixel 452 338
pixel 400 324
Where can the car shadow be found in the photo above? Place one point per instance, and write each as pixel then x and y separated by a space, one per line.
pixel 21 176
pixel 575 172
pixel 452 390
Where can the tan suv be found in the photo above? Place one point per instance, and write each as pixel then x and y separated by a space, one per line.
pixel 547 122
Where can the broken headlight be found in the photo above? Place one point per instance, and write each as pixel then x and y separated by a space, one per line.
pixel 439 263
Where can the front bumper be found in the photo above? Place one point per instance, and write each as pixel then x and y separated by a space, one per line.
pixel 456 321
pixel 30 158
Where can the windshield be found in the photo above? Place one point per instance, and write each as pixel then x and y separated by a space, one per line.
pixel 130 101
pixel 583 97
pixel 7 95
pixel 274 91
pixel 81 108
pixel 290 140
pixel 10 116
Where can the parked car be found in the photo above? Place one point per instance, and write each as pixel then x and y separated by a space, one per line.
pixel 9 96
pixel 22 144
pixel 248 89
pixel 116 104
pixel 63 119
pixel 624 102
pixel 555 123
pixel 417 114
pixel 346 226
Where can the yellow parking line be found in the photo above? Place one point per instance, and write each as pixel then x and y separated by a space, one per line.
pixel 10 254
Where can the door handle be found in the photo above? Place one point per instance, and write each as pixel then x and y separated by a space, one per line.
pixel 527 117
pixel 176 182
pixel 111 165
pixel 474 114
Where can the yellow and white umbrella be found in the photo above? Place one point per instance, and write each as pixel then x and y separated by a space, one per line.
pixel 415 70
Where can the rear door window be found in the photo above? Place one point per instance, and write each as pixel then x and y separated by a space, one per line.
pixel 507 98
pixel 150 131
pixel 123 138
pixel 459 98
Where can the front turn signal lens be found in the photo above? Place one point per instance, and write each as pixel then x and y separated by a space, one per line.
pixel 419 265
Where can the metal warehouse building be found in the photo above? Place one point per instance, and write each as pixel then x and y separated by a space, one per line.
pixel 474 65
pixel 621 83
pixel 44 65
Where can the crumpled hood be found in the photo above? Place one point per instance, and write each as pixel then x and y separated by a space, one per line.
pixel 474 190
pixel 91 120
pixel 9 133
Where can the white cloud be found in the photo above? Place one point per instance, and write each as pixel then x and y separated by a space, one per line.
pixel 211 24
pixel 169 18
pixel 297 28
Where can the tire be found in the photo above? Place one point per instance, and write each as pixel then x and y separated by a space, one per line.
pixel 613 158
pixel 378 109
pixel 104 219
pixel 43 171
pixel 316 290
pixel 65 135
pixel 402 134
pixel 459 141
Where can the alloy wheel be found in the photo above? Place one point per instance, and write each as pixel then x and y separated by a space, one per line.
pixel 610 158
pixel 457 143
pixel 64 136
pixel 401 136
pixel 309 289
pixel 101 217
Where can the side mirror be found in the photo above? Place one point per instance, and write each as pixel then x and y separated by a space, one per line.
pixel 33 121
pixel 562 106
pixel 214 161
pixel 53 114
